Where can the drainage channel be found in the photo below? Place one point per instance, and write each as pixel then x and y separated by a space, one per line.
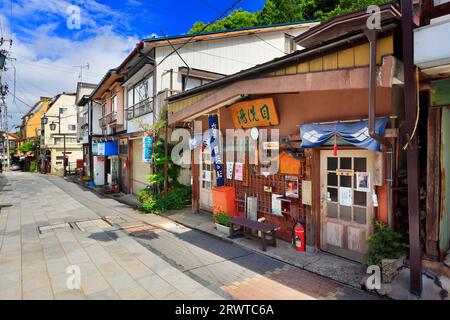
pixel 77 225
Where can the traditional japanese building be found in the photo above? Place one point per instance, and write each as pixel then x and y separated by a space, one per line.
pixel 337 107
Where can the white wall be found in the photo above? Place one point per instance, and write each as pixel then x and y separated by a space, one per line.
pixel 96 115
pixel 225 56
pixel 69 118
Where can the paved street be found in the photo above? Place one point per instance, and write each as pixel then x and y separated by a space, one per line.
pixel 48 224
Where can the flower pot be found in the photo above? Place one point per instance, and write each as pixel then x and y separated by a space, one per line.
pixel 223 229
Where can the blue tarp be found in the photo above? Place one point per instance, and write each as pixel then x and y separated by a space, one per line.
pixel 315 135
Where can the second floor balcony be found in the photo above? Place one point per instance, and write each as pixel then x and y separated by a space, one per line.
pixel 140 109
pixel 83 121
pixel 108 119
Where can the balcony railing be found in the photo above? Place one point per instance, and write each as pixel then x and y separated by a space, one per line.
pixel 83 121
pixel 111 117
pixel 140 109
pixel 103 122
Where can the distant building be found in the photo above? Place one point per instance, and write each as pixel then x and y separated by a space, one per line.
pixel 61 116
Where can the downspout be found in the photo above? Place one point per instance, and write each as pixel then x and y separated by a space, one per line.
pixel 372 35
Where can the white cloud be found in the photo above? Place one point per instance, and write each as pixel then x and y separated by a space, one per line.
pixel 45 59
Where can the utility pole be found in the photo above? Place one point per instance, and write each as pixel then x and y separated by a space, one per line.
pixel 3 92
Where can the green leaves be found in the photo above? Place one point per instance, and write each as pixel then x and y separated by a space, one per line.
pixel 222 218
pixel 385 244
pixel 286 11
pixel 27 147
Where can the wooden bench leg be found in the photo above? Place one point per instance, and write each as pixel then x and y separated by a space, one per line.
pixel 274 238
pixel 263 237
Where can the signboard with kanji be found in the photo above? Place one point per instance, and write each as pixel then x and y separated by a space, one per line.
pixel 254 113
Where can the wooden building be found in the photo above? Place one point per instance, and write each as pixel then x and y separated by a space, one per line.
pixel 335 82
pixel 434 71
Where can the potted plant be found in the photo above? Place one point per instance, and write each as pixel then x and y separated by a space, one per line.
pixel 222 222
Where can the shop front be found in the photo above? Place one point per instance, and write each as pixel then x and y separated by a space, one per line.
pixel 320 143
pixel 106 165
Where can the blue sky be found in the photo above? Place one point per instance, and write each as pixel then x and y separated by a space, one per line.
pixel 46 50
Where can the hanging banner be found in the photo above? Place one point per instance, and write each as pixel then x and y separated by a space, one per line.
pixel 239 171
pixel 254 113
pixel 315 135
pixel 147 149
pixel 230 169
pixel 363 181
pixel 215 149
pixel 346 197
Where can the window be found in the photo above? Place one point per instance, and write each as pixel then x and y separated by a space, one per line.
pixel 141 92
pixel 190 82
pixel 114 104
pixel 130 99
pixel 72 127
pixel 63 110
pixel 60 140
pixel 103 107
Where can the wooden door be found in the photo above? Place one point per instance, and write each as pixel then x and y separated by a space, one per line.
pixel 206 179
pixel 346 211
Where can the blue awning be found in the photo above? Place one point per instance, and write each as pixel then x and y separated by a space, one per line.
pixel 357 133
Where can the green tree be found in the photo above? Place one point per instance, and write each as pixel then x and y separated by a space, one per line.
pixel 280 11
pixel 236 20
pixel 286 11
pixel 347 6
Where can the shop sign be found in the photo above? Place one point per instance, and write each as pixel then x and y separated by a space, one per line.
pixel 345 172
pixel 254 113
pixel 271 145
pixel 307 192
pixel 147 149
pixel 110 148
pixel 215 149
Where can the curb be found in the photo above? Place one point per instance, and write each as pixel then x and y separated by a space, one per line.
pixel 99 193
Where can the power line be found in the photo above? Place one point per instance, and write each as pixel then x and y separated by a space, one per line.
pixel 203 29
pixel 206 3
pixel 260 38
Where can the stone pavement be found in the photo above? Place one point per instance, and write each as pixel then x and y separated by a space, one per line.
pixel 126 255
pixel 327 265
pixel 33 265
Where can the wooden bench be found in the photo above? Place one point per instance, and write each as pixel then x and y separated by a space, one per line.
pixel 264 228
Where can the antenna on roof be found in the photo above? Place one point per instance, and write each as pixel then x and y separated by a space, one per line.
pixel 80 76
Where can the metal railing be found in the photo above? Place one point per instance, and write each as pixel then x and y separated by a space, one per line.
pixel 111 117
pixel 103 122
pixel 140 109
pixel 83 121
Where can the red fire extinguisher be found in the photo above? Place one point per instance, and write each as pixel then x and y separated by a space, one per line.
pixel 299 237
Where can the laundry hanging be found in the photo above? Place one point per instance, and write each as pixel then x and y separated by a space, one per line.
pixel 357 133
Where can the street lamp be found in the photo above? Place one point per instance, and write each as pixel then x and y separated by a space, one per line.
pixel 53 128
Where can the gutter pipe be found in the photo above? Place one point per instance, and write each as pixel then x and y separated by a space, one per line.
pixel 372 35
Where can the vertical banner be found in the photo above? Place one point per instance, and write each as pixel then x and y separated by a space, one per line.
pixel 147 149
pixel 215 149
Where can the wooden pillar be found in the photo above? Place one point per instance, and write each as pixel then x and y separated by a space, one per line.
pixel 433 183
